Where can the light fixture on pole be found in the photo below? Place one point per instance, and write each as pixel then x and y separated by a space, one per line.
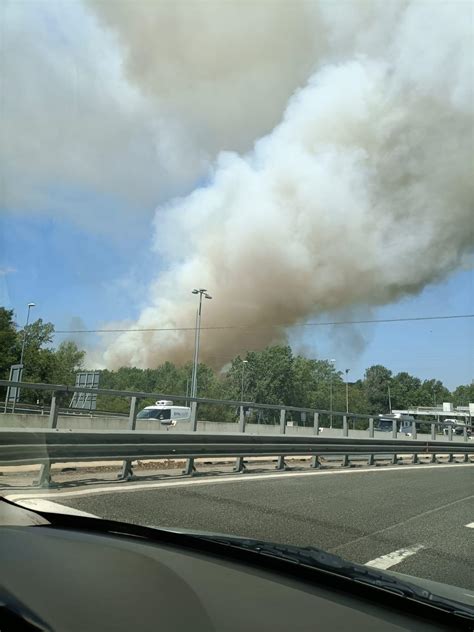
pixel 347 391
pixel 23 344
pixel 244 362
pixel 201 292
pixel 333 362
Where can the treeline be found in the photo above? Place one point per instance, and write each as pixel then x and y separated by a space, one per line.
pixel 42 362
pixel 274 375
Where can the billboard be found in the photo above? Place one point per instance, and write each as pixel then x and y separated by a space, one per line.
pixel 13 392
pixel 87 401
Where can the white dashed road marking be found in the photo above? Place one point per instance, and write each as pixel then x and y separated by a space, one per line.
pixel 391 559
pixel 470 525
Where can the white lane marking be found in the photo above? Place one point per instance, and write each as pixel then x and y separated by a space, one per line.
pixel 470 525
pixel 248 478
pixel 40 504
pixel 391 559
pixel 399 524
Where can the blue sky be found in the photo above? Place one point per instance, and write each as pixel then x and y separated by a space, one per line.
pixel 81 278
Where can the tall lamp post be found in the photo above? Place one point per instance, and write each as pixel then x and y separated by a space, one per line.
pixel 244 362
pixel 23 344
pixel 201 292
pixel 347 390
pixel 333 362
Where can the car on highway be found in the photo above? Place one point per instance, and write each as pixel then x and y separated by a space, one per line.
pixel 459 430
pixel 449 423
pixel 457 427
pixel 165 412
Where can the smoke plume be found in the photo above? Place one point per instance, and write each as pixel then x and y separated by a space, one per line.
pixel 360 195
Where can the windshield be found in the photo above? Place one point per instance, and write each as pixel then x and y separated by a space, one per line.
pixel 385 424
pixel 258 215
pixel 155 413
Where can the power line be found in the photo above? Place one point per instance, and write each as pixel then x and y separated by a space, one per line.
pixel 256 327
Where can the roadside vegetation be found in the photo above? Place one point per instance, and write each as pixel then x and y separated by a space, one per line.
pixel 274 375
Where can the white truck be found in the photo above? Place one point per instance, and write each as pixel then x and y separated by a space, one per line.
pixel 165 412
pixel 404 423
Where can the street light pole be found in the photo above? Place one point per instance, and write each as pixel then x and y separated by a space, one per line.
pixel 25 335
pixel 244 362
pixel 333 362
pixel 347 391
pixel 389 398
pixel 202 292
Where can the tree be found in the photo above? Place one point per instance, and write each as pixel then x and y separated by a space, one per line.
pixel 406 391
pixel 38 359
pixel 432 393
pixel 9 342
pixel 464 395
pixel 268 376
pixel 377 380
pixel 67 359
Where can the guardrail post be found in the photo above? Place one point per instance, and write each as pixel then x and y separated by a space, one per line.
pixel 345 433
pixel 44 479
pixel 414 436
pixel 370 460
pixel 466 438
pixel 189 468
pixel 394 429
pixel 315 460
pixel 127 470
pixel 433 438
pixel 239 463
pixel 394 459
pixel 281 459
pixel 450 438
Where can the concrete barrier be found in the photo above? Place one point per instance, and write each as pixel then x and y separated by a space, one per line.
pixel 84 422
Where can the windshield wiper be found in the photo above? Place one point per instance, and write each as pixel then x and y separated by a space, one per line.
pixel 322 560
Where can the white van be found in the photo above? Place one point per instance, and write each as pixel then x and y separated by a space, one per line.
pixel 166 413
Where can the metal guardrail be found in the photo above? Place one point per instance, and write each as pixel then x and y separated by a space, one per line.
pixel 19 447
pixel 57 389
pixel 47 446
pixel 36 409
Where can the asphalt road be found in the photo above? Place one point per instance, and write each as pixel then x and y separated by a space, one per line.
pixel 421 512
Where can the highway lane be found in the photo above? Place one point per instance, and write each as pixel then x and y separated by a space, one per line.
pixel 361 515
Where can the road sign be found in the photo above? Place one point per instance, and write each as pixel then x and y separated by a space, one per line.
pixel 13 392
pixel 88 401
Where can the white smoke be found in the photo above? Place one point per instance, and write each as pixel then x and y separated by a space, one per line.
pixel 361 195
pixel 220 72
